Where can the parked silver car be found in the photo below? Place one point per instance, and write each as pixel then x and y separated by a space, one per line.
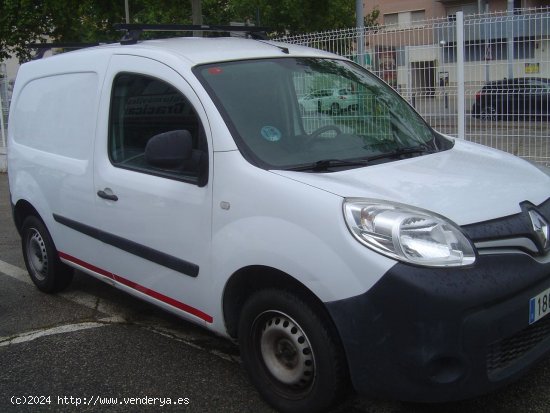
pixel 329 100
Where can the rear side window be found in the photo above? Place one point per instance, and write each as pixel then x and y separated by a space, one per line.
pixel 143 107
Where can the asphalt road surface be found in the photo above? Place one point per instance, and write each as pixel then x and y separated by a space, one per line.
pixel 94 348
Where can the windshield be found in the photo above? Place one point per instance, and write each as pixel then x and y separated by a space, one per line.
pixel 292 113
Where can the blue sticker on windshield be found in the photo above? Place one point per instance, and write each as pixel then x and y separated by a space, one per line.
pixel 271 133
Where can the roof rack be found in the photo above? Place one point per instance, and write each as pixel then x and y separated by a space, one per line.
pixel 133 31
pixel 42 48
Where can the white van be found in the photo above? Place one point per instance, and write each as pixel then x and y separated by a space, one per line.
pixel 356 247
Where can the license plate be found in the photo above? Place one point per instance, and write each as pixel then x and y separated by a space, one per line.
pixel 539 306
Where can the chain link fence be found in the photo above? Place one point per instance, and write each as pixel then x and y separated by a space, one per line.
pixel 483 77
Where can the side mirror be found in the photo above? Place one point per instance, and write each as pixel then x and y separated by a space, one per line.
pixel 169 149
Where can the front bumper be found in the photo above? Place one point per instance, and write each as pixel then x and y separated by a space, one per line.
pixel 442 334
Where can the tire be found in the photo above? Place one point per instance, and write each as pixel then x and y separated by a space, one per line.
pixel 488 112
pixel 47 272
pixel 290 352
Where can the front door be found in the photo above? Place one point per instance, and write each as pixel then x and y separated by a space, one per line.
pixel 154 218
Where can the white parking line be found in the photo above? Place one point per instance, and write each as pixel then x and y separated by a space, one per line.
pixel 77 297
pixel 83 299
pixel 115 315
pixel 15 272
pixel 33 335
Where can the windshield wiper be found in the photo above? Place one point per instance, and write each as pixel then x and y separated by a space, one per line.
pixel 402 151
pixel 325 164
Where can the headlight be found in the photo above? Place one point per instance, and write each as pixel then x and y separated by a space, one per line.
pixel 408 234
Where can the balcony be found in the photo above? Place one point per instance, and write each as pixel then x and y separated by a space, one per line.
pixel 534 24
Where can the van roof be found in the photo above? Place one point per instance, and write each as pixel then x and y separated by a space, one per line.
pixel 198 50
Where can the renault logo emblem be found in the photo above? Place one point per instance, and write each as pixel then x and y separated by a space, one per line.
pixel 540 226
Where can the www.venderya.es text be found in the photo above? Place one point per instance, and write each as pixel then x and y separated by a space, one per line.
pixel 29 400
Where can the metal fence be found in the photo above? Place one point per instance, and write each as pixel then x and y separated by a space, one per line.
pixel 484 78
pixel 4 109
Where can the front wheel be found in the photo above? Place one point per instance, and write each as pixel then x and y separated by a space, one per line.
pixel 47 272
pixel 291 353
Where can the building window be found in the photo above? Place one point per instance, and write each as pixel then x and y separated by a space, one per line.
pixel 524 48
pixel 418 16
pixel 497 49
pixel 391 19
pixel 404 19
pixel 467 9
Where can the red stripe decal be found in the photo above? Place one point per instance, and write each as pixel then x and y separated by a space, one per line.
pixel 86 265
pixel 151 293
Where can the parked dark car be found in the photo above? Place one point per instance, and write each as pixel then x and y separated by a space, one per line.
pixel 521 98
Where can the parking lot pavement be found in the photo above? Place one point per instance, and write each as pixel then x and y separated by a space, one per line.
pixel 94 346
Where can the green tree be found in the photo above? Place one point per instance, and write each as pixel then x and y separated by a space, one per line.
pixel 295 16
pixel 28 21
pixel 20 22
pixel 371 19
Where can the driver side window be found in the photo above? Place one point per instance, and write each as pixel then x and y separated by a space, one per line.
pixel 143 107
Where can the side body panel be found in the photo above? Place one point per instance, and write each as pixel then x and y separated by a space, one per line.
pixel 52 127
pixel 261 218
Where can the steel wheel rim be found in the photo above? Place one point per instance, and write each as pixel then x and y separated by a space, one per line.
pixel 489 113
pixel 37 256
pixel 286 351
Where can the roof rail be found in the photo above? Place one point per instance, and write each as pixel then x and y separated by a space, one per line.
pixel 42 48
pixel 133 31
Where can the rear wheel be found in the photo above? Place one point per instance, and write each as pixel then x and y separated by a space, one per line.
pixel 488 112
pixel 47 272
pixel 290 353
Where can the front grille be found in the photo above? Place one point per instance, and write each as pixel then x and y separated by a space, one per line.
pixel 503 353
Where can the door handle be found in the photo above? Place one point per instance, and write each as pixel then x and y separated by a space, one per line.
pixel 105 195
